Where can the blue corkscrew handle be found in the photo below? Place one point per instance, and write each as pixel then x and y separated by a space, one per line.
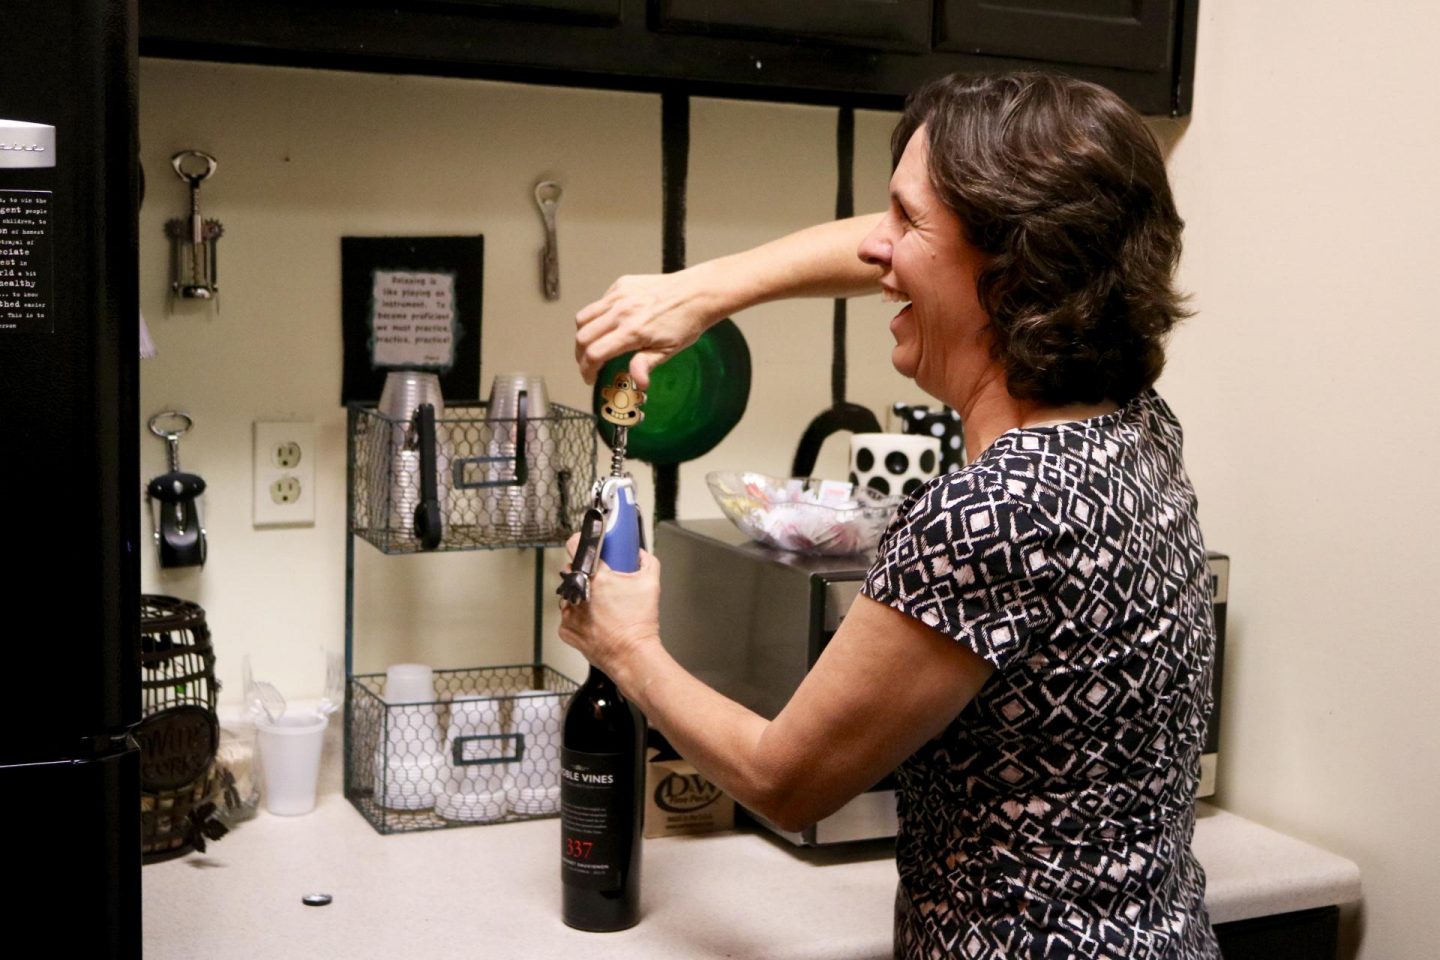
pixel 621 547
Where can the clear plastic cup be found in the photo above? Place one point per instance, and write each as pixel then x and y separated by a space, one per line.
pixel 409 683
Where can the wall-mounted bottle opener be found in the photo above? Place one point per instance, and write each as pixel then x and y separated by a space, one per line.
pixel 179 535
pixel 193 271
pixel 610 529
pixel 547 198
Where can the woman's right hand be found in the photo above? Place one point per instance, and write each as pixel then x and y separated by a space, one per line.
pixel 656 315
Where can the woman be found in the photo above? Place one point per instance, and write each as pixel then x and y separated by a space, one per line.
pixel 1032 647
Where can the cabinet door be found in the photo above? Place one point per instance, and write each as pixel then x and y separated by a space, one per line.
pixel 1129 34
pixel 880 24
pixel 592 11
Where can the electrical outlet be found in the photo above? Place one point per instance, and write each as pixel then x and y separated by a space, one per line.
pixel 284 474
pixel 287 455
pixel 285 490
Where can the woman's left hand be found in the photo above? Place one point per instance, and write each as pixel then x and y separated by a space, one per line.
pixel 621 616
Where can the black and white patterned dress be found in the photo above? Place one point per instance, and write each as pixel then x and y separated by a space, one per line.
pixel 1053 816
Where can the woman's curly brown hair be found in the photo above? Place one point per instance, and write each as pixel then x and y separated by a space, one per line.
pixel 1062 185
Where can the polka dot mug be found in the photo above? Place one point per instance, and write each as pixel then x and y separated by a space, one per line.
pixel 893 463
pixel 943 423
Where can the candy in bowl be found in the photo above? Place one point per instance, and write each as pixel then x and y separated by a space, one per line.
pixel 803 514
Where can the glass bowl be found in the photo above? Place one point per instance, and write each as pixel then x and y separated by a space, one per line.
pixel 803 514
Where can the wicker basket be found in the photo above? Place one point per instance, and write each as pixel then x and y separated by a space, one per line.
pixel 178 732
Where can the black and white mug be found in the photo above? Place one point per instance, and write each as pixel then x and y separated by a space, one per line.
pixel 893 463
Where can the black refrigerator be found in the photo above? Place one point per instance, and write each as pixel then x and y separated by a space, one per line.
pixel 69 446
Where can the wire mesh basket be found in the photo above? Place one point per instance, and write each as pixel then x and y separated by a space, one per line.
pixel 500 482
pixel 485 750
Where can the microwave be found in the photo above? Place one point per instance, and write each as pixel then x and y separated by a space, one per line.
pixel 750 621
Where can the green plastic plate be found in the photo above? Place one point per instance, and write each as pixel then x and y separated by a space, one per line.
pixel 695 398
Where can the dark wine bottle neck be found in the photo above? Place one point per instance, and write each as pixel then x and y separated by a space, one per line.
pixel 599 678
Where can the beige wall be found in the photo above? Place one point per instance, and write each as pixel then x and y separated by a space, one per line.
pixel 1310 192
pixel 1306 385
pixel 306 157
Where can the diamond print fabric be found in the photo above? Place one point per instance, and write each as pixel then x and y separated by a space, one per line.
pixel 1053 816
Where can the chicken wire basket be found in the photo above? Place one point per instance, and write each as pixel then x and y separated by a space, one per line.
pixel 485 750
pixel 500 482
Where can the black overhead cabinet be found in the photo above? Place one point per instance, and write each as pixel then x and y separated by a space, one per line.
pixel 1129 34
pixel 593 11
pixel 872 24
pixel 867 53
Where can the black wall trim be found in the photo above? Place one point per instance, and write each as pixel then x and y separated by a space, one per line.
pixel 674 184
pixel 844 207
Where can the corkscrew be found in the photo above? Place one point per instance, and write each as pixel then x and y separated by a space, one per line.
pixel 193 270
pixel 174 498
pixel 610 528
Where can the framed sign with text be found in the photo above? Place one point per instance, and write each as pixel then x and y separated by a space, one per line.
pixel 411 303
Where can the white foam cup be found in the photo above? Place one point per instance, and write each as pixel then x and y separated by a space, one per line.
pixel 539 718
pixel 290 761
pixel 408 765
pixel 475 791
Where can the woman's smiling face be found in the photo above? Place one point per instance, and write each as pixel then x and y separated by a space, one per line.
pixel 928 264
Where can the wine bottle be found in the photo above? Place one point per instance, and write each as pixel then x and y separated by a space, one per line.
pixel 602 771
pixel 601 804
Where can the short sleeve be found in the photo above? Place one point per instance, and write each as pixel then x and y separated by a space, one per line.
pixel 965 558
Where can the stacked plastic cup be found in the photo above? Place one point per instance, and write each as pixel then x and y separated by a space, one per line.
pixel 478 773
pixel 539 718
pixel 409 764
pixel 531 509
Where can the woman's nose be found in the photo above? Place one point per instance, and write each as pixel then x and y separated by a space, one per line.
pixel 875 248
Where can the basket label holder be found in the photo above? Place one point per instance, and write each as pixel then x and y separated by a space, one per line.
pixel 461 760
pixel 519 460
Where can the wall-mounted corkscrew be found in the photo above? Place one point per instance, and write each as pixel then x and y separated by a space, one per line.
pixel 194 274
pixel 175 510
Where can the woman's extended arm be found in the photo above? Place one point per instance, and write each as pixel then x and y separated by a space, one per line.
pixel 658 315
pixel 884 685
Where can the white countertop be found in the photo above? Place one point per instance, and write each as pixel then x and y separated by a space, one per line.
pixel 494 891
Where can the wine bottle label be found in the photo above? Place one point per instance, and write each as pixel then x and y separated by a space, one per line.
pixel 596 797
